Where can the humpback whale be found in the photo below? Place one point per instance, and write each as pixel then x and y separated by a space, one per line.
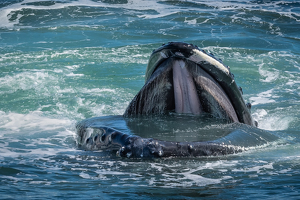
pixel 186 80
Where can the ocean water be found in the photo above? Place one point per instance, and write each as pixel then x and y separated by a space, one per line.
pixel 62 61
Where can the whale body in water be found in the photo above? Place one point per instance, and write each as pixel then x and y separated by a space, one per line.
pixel 184 87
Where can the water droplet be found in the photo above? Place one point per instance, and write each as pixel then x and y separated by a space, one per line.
pixel 128 154
pixel 160 153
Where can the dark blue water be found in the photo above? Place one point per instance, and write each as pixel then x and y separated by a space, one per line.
pixel 65 61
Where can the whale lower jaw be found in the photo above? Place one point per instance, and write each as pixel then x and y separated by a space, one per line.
pixel 92 136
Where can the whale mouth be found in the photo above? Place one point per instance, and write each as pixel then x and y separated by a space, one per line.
pixel 195 92
pixel 185 93
pixel 182 78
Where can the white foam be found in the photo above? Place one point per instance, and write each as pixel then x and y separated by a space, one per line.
pixel 269 75
pixel 32 122
pixel 40 182
pixel 84 175
pixel 188 178
pixel 100 91
pixel 192 21
pixel 39 153
pixel 254 18
pixel 275 123
pixel 292 82
pixel 221 164
pixel 72 67
pixel 37 80
pixel 272 122
pixel 258 168
pixel 264 97
pixel 72 74
pixel 65 52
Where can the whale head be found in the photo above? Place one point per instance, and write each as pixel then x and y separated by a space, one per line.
pixel 184 79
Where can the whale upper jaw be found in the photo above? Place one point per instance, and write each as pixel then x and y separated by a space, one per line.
pixel 182 78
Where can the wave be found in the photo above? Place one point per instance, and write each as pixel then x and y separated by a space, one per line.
pixel 29 13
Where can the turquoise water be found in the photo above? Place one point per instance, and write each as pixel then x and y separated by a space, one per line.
pixel 65 61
